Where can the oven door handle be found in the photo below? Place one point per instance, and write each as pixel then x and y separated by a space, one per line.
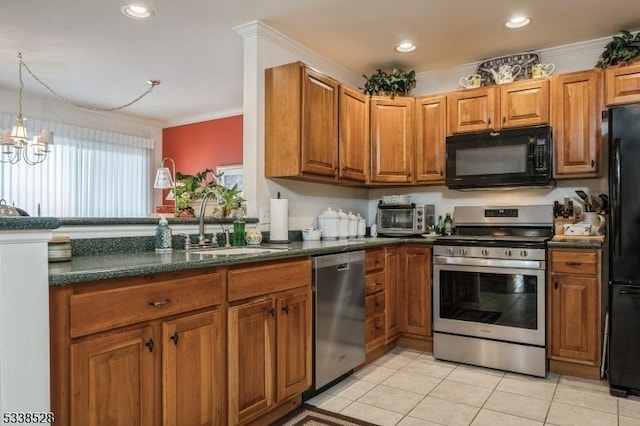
pixel 489 263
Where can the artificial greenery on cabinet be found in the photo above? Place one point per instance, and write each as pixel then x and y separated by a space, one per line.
pixel 622 49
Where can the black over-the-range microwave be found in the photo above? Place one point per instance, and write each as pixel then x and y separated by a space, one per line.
pixel 501 159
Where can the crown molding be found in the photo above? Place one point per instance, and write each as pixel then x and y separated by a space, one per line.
pixel 204 117
pixel 308 56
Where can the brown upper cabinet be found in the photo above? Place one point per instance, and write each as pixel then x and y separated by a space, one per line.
pixel 518 104
pixel 576 124
pixel 392 139
pixel 622 84
pixel 353 145
pixel 301 122
pixel 431 133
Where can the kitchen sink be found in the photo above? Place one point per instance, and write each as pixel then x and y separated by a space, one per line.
pixel 234 251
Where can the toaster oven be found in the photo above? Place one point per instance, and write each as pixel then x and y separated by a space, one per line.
pixel 397 220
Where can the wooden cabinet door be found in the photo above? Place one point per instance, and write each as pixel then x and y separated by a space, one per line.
pixel 622 84
pixel 294 347
pixel 415 291
pixel 251 359
pixel 574 325
pixel 319 124
pixel 576 124
pixel 431 133
pixel 524 103
pixel 392 136
pixel 392 276
pixel 473 110
pixel 112 379
pixel 353 145
pixel 193 370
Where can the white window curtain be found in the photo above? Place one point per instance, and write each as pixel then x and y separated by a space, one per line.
pixel 90 173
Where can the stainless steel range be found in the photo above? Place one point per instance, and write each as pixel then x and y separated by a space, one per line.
pixel 489 288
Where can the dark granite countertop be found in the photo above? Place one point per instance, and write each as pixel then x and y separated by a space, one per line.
pixel 97 221
pixel 102 267
pixel 575 244
pixel 28 223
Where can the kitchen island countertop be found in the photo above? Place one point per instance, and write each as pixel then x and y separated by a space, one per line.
pixel 101 267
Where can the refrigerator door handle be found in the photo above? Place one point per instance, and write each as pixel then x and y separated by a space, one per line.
pixel 630 292
pixel 615 196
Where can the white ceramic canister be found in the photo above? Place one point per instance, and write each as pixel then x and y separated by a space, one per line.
pixel 344 224
pixel 353 225
pixel 329 224
pixel 362 226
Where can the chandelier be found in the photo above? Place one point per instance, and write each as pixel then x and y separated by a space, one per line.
pixel 15 144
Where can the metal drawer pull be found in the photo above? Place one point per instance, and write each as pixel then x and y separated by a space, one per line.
pixel 573 263
pixel 285 309
pixel 149 344
pixel 161 303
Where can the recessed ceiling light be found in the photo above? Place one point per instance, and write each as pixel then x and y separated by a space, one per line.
pixel 405 47
pixel 517 22
pixel 136 11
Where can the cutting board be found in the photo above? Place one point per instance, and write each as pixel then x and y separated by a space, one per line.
pixel 575 238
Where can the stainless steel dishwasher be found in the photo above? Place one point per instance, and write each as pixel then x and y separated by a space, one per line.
pixel 338 284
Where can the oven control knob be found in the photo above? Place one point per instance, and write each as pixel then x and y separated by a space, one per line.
pixel 419 227
pixel 484 252
pixel 450 250
pixel 507 253
pixel 524 253
pixel 419 219
pixel 463 251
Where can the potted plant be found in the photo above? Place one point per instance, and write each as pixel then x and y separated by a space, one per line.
pixel 191 189
pixel 397 82
pixel 621 50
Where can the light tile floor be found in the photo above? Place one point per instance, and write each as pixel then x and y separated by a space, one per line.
pixel 411 388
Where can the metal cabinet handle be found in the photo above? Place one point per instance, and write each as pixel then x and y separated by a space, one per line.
pixel 593 163
pixel 149 344
pixel 378 284
pixel 504 119
pixel 573 263
pixel 285 309
pixel 160 303
pixel 441 173
pixel 555 285
pixel 272 311
pixel 489 121
pixel 175 338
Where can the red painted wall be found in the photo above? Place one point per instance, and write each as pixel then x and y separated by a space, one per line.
pixel 205 145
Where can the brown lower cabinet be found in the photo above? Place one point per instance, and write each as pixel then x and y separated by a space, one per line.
pixel 191 348
pixel 573 312
pixel 398 298
pixel 415 291
pixel 269 353
pixel 139 351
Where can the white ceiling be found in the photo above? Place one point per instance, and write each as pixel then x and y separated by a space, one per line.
pixel 88 51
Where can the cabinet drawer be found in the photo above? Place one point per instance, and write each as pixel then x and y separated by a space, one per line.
pixel 374 260
pixel 251 281
pixel 374 304
pixel 107 309
pixel 374 332
pixel 374 283
pixel 574 262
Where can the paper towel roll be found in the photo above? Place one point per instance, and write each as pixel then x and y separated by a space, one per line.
pixel 279 222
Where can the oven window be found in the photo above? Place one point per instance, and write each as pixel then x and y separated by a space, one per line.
pixel 502 299
pixel 491 160
pixel 396 219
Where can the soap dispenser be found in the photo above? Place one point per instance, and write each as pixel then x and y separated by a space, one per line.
pixel 238 228
pixel 163 236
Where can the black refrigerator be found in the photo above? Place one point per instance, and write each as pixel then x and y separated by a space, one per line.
pixel 624 250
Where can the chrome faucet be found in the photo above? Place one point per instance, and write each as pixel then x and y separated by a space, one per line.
pixel 201 239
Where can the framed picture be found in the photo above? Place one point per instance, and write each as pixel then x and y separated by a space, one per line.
pixel 232 175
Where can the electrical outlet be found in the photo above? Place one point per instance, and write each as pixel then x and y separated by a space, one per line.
pixel 265 215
